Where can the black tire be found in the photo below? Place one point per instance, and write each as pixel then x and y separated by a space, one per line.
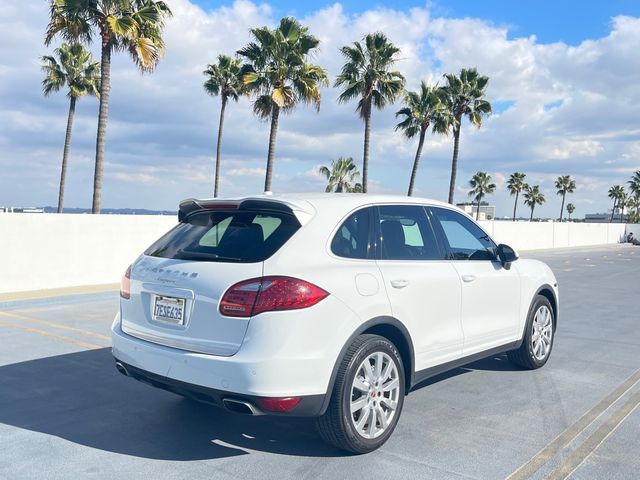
pixel 524 356
pixel 336 426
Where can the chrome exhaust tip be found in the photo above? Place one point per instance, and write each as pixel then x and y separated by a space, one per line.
pixel 239 406
pixel 122 369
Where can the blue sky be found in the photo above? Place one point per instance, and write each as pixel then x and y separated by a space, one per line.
pixel 563 82
pixel 569 21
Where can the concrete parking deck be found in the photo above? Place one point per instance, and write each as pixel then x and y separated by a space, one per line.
pixel 66 413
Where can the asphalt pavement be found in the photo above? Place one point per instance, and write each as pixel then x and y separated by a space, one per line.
pixel 66 413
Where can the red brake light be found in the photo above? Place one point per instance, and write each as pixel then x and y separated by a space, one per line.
pixel 240 298
pixel 125 284
pixel 266 294
pixel 220 206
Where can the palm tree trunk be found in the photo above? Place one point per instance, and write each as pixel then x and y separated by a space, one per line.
pixel 216 180
pixel 531 217
pixel 105 89
pixel 515 206
pixel 562 206
pixel 478 210
pixel 416 161
pixel 454 161
pixel 613 211
pixel 275 114
pixel 365 156
pixel 65 154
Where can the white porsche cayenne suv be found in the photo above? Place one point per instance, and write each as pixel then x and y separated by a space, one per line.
pixel 326 305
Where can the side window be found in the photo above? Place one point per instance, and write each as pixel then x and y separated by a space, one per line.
pixel 466 240
pixel 352 238
pixel 405 234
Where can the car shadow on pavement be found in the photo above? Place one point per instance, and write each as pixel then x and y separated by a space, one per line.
pixel 82 398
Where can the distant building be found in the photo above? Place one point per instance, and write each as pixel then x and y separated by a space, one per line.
pixel 605 217
pixel 21 210
pixel 487 212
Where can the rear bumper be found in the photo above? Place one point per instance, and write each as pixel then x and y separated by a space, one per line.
pixel 309 406
pixel 249 375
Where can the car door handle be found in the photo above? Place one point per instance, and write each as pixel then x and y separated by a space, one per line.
pixel 468 278
pixel 399 283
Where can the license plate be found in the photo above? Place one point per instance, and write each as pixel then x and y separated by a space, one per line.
pixel 169 309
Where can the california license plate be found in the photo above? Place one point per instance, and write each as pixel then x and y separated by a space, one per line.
pixel 169 309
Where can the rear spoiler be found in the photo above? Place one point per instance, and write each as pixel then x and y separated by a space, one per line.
pixel 192 205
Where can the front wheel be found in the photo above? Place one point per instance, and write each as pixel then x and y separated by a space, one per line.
pixel 367 397
pixel 538 336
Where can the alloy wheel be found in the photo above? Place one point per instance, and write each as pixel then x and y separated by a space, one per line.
pixel 542 333
pixel 374 395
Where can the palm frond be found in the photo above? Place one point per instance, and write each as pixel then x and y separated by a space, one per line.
pixel 277 67
pixel 71 65
pixel 262 106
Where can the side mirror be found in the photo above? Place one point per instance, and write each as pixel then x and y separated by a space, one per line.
pixel 506 255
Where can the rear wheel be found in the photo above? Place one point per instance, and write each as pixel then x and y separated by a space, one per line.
pixel 538 336
pixel 367 397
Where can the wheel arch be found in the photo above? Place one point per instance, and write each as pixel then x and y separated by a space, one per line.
pixel 393 330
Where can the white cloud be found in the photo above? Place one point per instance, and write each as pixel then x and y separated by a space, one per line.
pixel 569 110
pixel 246 172
pixel 138 178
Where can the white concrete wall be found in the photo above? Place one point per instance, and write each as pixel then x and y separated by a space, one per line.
pixel 542 235
pixel 45 251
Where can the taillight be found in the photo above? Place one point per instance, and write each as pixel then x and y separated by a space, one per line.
pixel 125 284
pixel 267 294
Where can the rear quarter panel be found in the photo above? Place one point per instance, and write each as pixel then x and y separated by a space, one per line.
pixel 355 286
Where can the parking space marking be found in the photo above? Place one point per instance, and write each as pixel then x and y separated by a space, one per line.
pixel 50 335
pixel 55 325
pixel 578 456
pixel 567 436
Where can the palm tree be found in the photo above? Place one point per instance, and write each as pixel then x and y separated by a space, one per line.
pixel 223 79
pixel 367 76
pixel 132 25
pixel 532 197
pixel 570 209
pixel 622 203
pixel 615 193
pixel 72 66
pixel 634 209
pixel 565 184
pixel 279 75
pixel 515 185
pixel 465 98
pixel 422 109
pixel 634 189
pixel 480 185
pixel 341 176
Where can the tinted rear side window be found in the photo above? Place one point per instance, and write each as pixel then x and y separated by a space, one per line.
pixel 352 238
pixel 405 234
pixel 227 236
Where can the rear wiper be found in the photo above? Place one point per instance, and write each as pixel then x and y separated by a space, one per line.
pixel 185 255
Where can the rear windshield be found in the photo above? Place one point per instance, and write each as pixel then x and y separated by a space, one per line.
pixel 227 236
